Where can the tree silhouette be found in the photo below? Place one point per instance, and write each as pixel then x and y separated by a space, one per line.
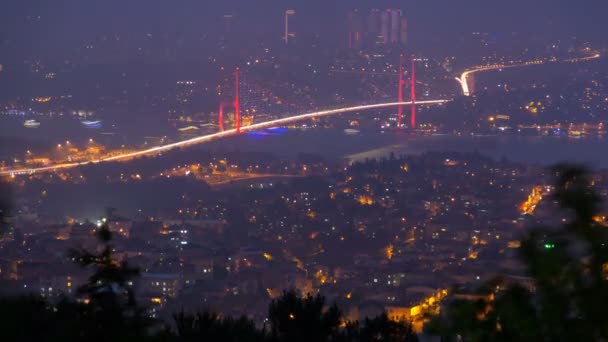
pixel 111 311
pixel 381 329
pixel 27 318
pixel 568 266
pixel 293 318
pixel 6 207
pixel 212 327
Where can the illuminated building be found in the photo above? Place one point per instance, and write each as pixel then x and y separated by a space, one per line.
pixel 168 285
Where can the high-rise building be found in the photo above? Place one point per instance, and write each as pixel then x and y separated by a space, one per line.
pixel 381 27
pixel 373 24
pixel 404 31
pixel 226 30
pixel 385 19
pixel 355 29
pixel 228 18
pixel 287 34
pixel 395 23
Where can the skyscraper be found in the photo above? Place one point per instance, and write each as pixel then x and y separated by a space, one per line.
pixel 381 27
pixel 373 24
pixel 288 34
pixel 355 29
pixel 228 18
pixel 385 19
pixel 404 32
pixel 395 15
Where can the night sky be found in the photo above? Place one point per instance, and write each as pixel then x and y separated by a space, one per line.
pixel 64 24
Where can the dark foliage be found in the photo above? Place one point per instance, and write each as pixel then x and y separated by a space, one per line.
pixel 111 312
pixel 212 327
pixel 292 318
pixel 382 329
pixel 568 268
pixel 303 319
pixel 6 207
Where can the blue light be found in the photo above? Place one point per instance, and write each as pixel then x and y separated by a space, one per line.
pixel 277 130
pixel 256 135
pixel 92 124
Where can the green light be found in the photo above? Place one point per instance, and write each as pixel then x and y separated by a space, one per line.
pixel 549 245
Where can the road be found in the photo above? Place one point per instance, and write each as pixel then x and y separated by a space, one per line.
pixel 463 80
pixel 220 135
pixel 251 177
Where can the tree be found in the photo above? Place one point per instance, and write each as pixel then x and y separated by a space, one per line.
pixel 26 318
pixel 382 329
pixel 212 327
pixel 303 319
pixel 292 318
pixel 569 268
pixel 6 207
pixel 111 312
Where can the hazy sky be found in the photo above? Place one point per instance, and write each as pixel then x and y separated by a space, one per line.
pixel 28 25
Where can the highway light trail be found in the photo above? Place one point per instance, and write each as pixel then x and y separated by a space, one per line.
pixel 220 135
pixel 464 83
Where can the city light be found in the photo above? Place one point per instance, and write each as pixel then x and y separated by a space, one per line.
pixel 224 134
pixel 306 171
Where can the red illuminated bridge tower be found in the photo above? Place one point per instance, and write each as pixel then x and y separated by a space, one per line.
pixel 400 93
pixel 236 104
pixel 413 86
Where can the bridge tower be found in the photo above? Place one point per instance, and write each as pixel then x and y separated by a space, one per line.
pixel 220 120
pixel 413 86
pixel 400 92
pixel 236 104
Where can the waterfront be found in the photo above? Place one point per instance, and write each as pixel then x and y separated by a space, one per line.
pixel 332 144
pixel 335 144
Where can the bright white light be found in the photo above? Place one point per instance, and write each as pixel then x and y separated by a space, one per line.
pixel 232 132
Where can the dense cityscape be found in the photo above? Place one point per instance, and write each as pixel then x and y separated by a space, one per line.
pixel 358 151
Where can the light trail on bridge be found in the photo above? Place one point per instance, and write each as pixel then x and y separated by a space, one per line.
pixel 220 135
pixel 463 80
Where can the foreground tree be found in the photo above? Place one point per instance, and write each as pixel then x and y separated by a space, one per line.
pixel 213 327
pixel 26 318
pixel 382 329
pixel 293 318
pixel 106 309
pixel 569 268
pixel 110 312
pixel 6 207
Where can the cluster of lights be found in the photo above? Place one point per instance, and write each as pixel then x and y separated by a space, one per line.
pixel 101 222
